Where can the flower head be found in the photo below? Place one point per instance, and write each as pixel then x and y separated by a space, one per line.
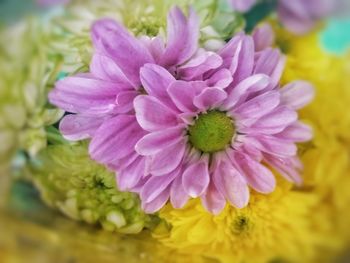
pixel 177 121
pixel 71 182
pixel 213 136
pixel 268 229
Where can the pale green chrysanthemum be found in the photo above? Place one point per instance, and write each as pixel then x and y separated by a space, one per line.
pixel 26 73
pixel 83 190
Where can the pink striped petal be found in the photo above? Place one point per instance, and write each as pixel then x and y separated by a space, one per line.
pixel 251 84
pixel 286 167
pixel 297 94
pixel 79 127
pixel 196 178
pixel 242 5
pixel 168 159
pixel 178 195
pixel 114 41
pixel 153 115
pixel 116 138
pixel 270 62
pixel 155 81
pixel 155 142
pixel 157 203
pixel 213 200
pixel 156 185
pixel 84 94
pixel 258 176
pixel 209 98
pixel 297 132
pixel 182 94
pixel 221 78
pixel 276 121
pixel 197 66
pixel 274 145
pixel 263 36
pixel 231 183
pixel 104 67
pixel 128 178
pixel 182 37
pixel 258 106
pixel 124 102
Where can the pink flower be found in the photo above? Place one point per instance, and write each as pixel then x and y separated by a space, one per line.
pixel 177 121
pixel 298 16
pixel 102 100
pixel 214 136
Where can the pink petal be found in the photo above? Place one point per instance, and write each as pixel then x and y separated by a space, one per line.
pixel 154 142
pixel 178 196
pixel 129 177
pixel 242 5
pixel 114 41
pixel 221 78
pixel 84 94
pixel 297 94
pixel 231 183
pixel 116 138
pixel 168 159
pixel 263 36
pixel 276 121
pixel 258 106
pixel 156 185
pixel 196 178
pixel 257 175
pixel 157 203
pixel 182 37
pixel 155 81
pixel 197 66
pixel 213 200
pixel 104 67
pixel 157 47
pixel 251 84
pixel 271 63
pixel 297 132
pixel 294 16
pixel 209 98
pixel 79 127
pixel 285 167
pixel 182 94
pixel 152 115
pixel 124 101
pixel 274 145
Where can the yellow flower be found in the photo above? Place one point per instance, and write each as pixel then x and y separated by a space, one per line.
pixel 327 157
pixel 273 227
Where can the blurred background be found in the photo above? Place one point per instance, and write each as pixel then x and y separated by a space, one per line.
pixel 42 42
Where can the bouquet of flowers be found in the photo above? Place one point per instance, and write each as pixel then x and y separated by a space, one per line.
pixel 218 128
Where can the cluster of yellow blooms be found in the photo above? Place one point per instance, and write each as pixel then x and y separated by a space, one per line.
pixel 305 224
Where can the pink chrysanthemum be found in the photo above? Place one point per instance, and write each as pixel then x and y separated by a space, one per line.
pixel 102 100
pixel 214 141
pixel 176 121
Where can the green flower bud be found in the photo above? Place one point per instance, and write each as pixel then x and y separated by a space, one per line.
pixel 83 190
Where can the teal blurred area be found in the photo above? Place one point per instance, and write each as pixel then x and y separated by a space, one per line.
pixel 336 36
pixel 13 10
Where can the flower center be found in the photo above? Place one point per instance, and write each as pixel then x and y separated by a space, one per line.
pixel 240 225
pixel 211 132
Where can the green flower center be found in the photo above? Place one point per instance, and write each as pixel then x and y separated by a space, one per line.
pixel 211 132
pixel 146 26
pixel 240 225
